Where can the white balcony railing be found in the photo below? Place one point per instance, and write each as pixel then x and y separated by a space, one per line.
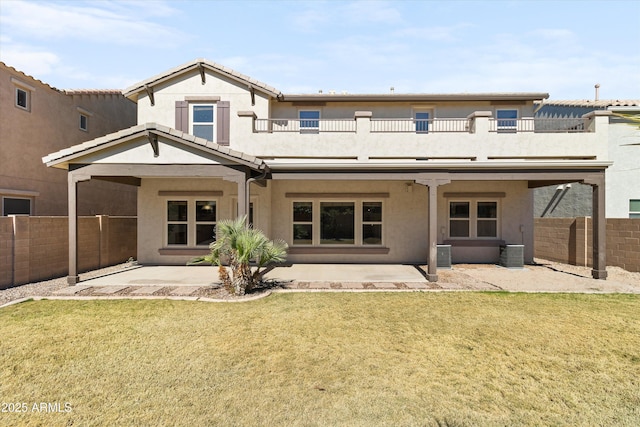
pixel 305 126
pixel 539 125
pixel 451 125
pixel 419 125
pixel 478 136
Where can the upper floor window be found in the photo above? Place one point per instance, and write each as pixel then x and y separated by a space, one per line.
pixel 23 99
pixel 84 122
pixel 634 208
pixel 507 121
pixel 203 121
pixel 309 121
pixel 16 206
pixel 422 121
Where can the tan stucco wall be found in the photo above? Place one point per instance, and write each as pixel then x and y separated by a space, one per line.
pixel 51 125
pixel 152 212
pixel 386 110
pixel 404 216
pixel 515 215
pixel 190 84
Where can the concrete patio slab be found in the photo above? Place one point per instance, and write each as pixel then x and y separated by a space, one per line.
pixel 347 273
pixel 149 275
pixel 547 277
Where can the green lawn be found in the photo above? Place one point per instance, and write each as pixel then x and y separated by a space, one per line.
pixel 355 359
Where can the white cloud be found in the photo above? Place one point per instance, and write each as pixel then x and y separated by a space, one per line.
pixel 37 62
pixel 437 33
pixel 371 12
pixel 321 14
pixel 124 24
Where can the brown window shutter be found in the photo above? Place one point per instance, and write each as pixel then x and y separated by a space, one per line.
pixel 223 122
pixel 182 116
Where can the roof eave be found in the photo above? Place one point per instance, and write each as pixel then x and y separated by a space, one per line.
pixel 63 158
pixel 381 166
pixel 452 97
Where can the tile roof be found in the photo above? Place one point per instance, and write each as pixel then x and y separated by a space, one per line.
pixel 27 76
pixel 195 64
pixel 93 91
pixel 76 151
pixel 408 97
pixel 64 91
pixel 587 103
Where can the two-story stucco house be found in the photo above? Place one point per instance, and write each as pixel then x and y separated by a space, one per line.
pixel 36 119
pixel 343 178
pixel 623 177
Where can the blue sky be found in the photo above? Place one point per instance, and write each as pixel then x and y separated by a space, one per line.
pixel 560 47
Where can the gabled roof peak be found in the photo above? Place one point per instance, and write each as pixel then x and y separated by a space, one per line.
pixel 200 64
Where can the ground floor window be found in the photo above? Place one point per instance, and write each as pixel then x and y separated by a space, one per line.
pixel 329 222
pixel 473 219
pixel 16 206
pixel 190 222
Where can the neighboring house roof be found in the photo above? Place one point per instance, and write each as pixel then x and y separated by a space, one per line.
pixel 26 76
pixel 590 103
pixel 412 97
pixel 61 159
pixel 577 108
pixel 93 91
pixel 199 64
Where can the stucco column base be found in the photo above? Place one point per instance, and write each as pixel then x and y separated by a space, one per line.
pixel 599 274
pixel 73 280
pixel 432 277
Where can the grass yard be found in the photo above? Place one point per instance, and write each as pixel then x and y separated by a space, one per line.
pixel 325 359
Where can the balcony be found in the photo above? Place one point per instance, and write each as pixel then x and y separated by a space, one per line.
pixel 476 137
pixel 559 125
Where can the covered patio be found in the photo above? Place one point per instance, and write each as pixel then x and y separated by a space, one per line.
pixel 154 153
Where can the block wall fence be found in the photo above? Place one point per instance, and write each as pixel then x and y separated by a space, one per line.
pixel 37 248
pixel 569 240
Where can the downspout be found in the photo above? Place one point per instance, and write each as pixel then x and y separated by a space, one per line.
pixel 247 191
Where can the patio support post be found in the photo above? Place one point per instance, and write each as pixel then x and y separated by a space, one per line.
pixel 242 199
pixel 432 252
pixel 432 185
pixel 599 270
pixel 72 184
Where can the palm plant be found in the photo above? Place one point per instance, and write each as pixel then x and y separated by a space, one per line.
pixel 238 245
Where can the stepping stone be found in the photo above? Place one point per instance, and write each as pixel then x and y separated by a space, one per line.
pixel 71 290
pixel 147 290
pixel 111 289
pixel 352 285
pixel 320 285
pixel 184 290
pixel 416 285
pixel 385 285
